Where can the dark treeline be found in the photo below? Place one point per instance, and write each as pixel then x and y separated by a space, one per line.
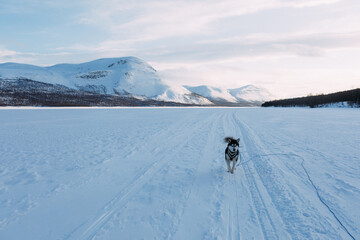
pixel 350 96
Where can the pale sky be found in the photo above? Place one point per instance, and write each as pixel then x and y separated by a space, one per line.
pixel 290 47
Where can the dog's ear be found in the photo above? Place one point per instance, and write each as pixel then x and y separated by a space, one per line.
pixel 227 139
pixel 238 140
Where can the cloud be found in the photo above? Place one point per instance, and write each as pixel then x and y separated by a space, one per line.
pixel 313 3
pixel 313 45
pixel 156 19
pixel 185 31
pixel 4 53
pixel 44 59
pixel 7 55
pixel 216 42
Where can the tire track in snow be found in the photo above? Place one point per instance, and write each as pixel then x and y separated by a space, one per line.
pixel 89 229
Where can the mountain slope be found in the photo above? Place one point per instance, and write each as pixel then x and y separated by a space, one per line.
pixel 113 76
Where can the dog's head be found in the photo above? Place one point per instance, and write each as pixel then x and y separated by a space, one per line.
pixel 233 144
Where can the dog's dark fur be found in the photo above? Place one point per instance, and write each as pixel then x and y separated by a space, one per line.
pixel 231 153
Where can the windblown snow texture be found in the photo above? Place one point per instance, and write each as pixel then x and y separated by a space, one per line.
pixel 151 173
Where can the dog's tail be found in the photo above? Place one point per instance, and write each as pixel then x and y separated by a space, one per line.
pixel 228 139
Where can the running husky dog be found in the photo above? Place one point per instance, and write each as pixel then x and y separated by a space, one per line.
pixel 231 153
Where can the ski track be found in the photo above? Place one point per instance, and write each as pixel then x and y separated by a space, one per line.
pixel 232 187
pixel 198 189
pixel 323 202
pixel 260 205
pixel 175 215
pixel 178 186
pixel 316 189
pixel 298 228
pixel 89 229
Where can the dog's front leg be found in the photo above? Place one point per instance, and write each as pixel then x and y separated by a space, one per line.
pixel 235 162
pixel 234 165
pixel 228 164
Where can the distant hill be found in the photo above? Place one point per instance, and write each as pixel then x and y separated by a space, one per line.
pixel 350 98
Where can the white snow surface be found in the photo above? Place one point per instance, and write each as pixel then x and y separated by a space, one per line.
pixel 339 105
pixel 159 173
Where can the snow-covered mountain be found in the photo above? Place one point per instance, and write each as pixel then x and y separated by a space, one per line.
pixel 212 93
pixel 124 77
pixel 249 93
pixel 127 76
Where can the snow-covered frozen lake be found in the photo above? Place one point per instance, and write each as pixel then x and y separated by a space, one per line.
pixel 159 173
